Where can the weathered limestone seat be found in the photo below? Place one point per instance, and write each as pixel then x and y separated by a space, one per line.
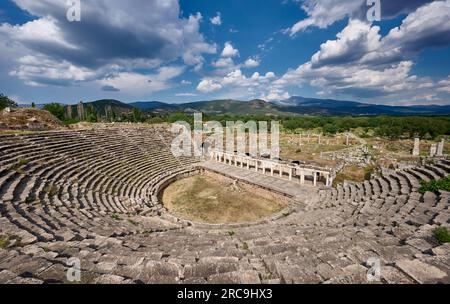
pixel 91 194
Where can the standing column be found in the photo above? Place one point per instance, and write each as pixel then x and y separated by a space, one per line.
pixel 302 177
pixel 290 174
pixel 315 179
pixel 242 162
pixel 256 165
pixel 328 180
pixel 281 170
pixel 416 149
pixel 271 170
pixel 440 148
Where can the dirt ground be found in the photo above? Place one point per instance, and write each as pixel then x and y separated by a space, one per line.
pixel 218 200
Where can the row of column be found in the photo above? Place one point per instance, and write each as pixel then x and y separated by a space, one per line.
pixel 248 162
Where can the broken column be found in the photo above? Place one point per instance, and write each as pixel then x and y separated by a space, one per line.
pixel 433 150
pixel 80 109
pixel 416 150
pixel 69 112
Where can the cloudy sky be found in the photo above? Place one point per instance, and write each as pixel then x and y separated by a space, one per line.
pixel 188 50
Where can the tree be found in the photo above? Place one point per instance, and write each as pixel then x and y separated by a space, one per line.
pixel 33 105
pixel 6 102
pixel 91 114
pixel 330 129
pixel 137 115
pixel 56 109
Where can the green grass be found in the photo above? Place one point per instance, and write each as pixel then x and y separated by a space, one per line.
pixel 4 241
pixel 435 185
pixel 442 235
pixel 116 217
pixel 29 200
pixel 133 222
pixel 245 246
pixel 10 241
pixel 51 190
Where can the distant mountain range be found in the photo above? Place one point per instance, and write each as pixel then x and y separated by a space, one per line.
pixel 295 105
pixel 313 106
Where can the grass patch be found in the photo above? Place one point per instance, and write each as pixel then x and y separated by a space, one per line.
pixel 10 241
pixel 442 235
pixel 4 241
pixel 29 200
pixel 17 166
pixel 115 216
pixel 245 246
pixel 435 185
pixel 51 190
pixel 133 222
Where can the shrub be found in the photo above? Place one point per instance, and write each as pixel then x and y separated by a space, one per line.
pixel 442 235
pixel 56 109
pixel 435 185
pixel 116 217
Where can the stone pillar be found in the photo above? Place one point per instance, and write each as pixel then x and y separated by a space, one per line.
pixel 80 109
pixel 69 112
pixel 315 179
pixel 416 150
pixel 256 165
pixel 440 148
pixel 281 170
pixel 347 140
pixel 302 177
pixel 271 170
pixel 290 174
pixel 328 180
pixel 242 162
pixel 433 150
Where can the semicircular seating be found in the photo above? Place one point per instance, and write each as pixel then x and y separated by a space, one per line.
pixel 88 194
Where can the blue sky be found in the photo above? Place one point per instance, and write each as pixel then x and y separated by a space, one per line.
pixel 188 50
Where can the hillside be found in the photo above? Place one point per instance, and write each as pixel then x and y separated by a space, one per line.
pixel 293 106
pixel 28 119
pixel 315 106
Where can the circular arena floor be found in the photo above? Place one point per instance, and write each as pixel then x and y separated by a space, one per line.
pixel 93 195
pixel 211 198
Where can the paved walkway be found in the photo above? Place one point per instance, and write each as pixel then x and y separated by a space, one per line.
pixel 291 188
